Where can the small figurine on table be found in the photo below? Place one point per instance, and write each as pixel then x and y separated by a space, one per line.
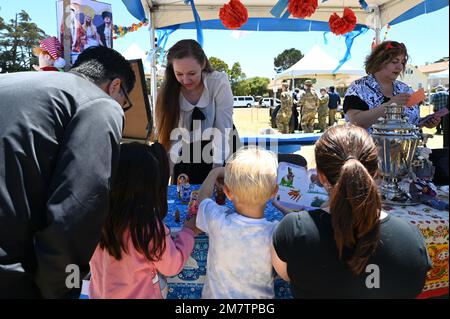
pixel 184 188
pixel 220 195
pixel 193 204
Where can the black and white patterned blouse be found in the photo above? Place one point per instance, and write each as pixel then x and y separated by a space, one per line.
pixel 365 94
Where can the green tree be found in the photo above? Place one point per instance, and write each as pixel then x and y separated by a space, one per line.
pixel 258 85
pixel 444 59
pixel 242 88
pixel 219 65
pixel 17 39
pixel 236 73
pixel 286 59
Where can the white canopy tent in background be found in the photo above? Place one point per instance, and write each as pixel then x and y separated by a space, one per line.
pixel 439 75
pixel 439 78
pixel 134 51
pixel 317 64
pixel 178 14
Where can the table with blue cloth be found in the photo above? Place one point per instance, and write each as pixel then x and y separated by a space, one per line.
pixel 432 222
pixel 189 282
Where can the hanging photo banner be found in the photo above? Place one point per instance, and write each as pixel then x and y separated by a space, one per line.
pixel 89 23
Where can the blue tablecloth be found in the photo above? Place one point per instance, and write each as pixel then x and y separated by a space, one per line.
pixel 188 283
pixel 433 223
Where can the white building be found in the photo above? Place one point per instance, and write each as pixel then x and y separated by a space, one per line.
pixel 414 77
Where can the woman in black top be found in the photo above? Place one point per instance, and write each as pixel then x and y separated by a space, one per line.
pixel 350 248
pixel 366 98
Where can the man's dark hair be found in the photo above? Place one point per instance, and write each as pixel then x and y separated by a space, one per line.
pixel 331 88
pixel 101 64
pixel 106 14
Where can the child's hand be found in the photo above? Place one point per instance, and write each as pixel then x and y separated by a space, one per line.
pixel 280 207
pixel 190 223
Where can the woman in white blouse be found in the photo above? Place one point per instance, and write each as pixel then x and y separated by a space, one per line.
pixel 194 112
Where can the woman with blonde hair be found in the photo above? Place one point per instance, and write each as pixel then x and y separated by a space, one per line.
pixel 92 37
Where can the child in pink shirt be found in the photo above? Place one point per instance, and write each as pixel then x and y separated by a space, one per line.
pixel 135 247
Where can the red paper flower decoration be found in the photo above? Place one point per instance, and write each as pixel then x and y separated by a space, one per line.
pixel 302 8
pixel 342 25
pixel 233 15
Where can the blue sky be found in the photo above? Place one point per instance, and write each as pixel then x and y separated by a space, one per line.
pixel 426 37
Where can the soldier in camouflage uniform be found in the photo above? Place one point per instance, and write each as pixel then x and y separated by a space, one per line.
pixel 323 109
pixel 285 112
pixel 310 103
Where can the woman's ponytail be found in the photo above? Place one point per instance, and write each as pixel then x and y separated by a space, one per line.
pixel 355 205
pixel 348 157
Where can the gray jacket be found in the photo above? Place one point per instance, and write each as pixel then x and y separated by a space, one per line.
pixel 59 148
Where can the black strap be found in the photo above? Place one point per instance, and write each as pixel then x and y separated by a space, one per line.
pixel 197 115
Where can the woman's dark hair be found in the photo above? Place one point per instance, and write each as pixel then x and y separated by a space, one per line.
pixel 383 54
pixel 348 157
pixel 138 202
pixel 167 110
pixel 101 64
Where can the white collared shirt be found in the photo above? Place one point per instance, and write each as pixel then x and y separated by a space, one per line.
pixel 216 103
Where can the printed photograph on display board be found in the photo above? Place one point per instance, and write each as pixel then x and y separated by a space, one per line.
pixel 89 22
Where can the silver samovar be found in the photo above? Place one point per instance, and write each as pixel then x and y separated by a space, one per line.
pixel 397 141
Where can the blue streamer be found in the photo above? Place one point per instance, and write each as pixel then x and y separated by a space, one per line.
pixel 163 36
pixel 278 9
pixel 349 37
pixel 135 8
pixel 286 14
pixel 198 22
pixel 364 5
pixel 325 40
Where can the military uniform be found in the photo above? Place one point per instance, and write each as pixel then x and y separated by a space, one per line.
pixel 323 111
pixel 310 104
pixel 285 112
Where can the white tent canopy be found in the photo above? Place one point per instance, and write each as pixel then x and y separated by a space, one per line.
pixel 170 12
pixel 316 63
pixel 134 51
pixel 439 75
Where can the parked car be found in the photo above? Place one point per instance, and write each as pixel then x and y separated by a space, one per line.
pixel 243 101
pixel 268 101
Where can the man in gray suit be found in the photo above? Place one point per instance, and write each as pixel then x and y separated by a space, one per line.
pixel 59 148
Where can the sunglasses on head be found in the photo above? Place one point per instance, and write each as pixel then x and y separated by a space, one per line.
pixel 394 45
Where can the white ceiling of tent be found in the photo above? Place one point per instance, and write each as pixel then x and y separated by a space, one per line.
pixel 171 12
